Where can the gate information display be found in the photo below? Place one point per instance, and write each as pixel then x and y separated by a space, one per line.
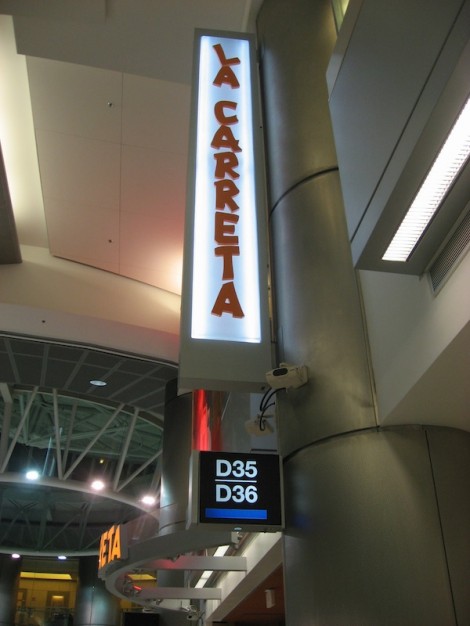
pixel 240 489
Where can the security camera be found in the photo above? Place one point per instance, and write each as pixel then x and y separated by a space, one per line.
pixel 287 376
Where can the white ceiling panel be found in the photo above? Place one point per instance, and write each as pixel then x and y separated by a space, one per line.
pixel 144 37
pixel 111 105
pixel 156 113
pixel 83 233
pixel 153 181
pixel 75 168
pixel 75 100
pixel 151 249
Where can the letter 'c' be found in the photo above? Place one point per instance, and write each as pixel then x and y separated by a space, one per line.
pixel 219 111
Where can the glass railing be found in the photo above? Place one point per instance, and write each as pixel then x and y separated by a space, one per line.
pixel 53 616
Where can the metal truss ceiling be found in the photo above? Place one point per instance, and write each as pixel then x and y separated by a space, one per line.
pixel 53 420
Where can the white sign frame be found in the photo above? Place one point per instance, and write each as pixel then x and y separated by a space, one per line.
pixel 225 329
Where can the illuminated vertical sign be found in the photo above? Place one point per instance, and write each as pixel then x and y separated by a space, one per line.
pixel 225 275
pixel 226 299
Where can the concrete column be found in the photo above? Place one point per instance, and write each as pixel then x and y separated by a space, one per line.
pixel 367 534
pixel 9 577
pixel 94 605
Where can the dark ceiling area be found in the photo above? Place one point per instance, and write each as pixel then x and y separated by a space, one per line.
pixel 134 382
pixel 71 431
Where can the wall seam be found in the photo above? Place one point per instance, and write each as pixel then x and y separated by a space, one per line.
pixel 299 183
pixel 441 528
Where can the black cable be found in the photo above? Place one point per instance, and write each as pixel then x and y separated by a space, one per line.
pixel 265 404
pixel 267 397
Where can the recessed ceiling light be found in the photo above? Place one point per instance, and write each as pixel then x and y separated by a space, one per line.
pixel 449 162
pixel 97 485
pixel 32 474
pixel 149 500
pixel 98 383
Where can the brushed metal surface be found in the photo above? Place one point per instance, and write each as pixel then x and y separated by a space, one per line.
pixel 94 605
pixel 450 458
pixel 363 544
pixel 319 317
pixel 175 459
pixel 296 39
pixel 9 577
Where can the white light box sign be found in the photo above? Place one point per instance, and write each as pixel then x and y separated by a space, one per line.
pixel 225 282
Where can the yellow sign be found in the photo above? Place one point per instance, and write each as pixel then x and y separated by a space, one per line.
pixel 110 546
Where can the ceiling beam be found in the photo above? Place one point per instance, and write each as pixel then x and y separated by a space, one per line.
pixel 9 244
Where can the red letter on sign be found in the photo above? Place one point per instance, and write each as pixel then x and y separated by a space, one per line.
pixel 224 191
pixel 227 252
pixel 225 228
pixel 223 138
pixel 220 113
pixel 226 162
pixel 222 58
pixel 226 75
pixel 227 302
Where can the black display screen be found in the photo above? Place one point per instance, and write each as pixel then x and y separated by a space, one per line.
pixel 241 489
pixel 141 619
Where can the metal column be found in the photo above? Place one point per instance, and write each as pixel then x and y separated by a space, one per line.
pixel 94 606
pixel 366 541
pixel 9 577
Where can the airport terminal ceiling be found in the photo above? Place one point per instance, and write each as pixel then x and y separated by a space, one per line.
pixel 76 414
pixel 103 138
pixel 102 133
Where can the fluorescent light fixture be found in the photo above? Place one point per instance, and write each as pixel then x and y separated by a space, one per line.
pixel 97 485
pixel 62 557
pixel 141 577
pixel 45 576
pixel 450 160
pixel 98 383
pixel 204 578
pixel 32 474
pixel 15 555
pixel 221 551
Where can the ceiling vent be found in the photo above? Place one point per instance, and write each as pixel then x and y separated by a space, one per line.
pixel 451 254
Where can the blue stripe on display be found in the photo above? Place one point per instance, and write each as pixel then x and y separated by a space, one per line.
pixel 237 513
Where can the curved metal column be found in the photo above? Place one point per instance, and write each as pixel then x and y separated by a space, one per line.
pixel 176 451
pixel 370 540
pixel 94 605
pixel 9 577
pixel 319 321
pixel 177 439
pixel 366 541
